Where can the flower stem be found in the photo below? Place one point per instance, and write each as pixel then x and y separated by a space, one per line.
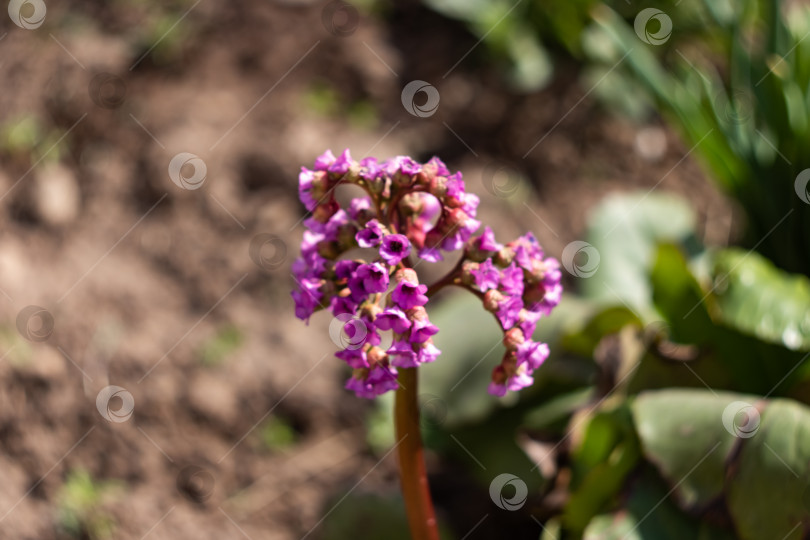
pixel 413 477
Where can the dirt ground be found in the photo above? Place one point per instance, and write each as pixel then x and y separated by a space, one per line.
pixel 140 275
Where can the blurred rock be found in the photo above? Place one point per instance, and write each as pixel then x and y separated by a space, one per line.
pixel 56 196
pixel 651 143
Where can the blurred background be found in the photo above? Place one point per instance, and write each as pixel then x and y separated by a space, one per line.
pixel 154 382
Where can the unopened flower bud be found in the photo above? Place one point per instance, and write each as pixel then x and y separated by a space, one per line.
pixel 324 211
pixel 499 374
pixel 491 300
pixel 438 187
pixel 512 338
pixel 505 256
pixel 467 271
pixel 370 310
pixel 534 294
pixel 376 355
pixel 329 250
pixel 457 217
pixel 406 274
pixel 417 313
pixel 402 180
pixel 410 204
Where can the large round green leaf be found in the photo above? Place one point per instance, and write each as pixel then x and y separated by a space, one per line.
pixel 767 496
pixel 682 433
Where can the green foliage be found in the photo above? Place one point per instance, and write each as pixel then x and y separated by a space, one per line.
pixel 80 510
pixel 645 364
pixel 763 476
pixel 748 122
pixel 756 298
pixel 626 230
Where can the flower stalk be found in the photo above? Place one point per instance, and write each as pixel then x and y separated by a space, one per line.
pixel 412 473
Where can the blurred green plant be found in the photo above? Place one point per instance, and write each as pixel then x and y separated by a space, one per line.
pixel 17 351
pixel 26 138
pixel 224 343
pixel 628 422
pixel 324 100
pixel 741 98
pixel 80 510
pixel 524 36
pixel 276 434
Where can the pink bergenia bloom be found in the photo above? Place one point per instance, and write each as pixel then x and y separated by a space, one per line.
pixel 410 213
pixel 486 276
pixel 395 247
pixel 371 236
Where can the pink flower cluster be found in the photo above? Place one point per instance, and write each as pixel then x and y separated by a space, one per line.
pixel 412 211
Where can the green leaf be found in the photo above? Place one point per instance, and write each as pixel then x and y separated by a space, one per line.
pixel 756 298
pixel 682 433
pixel 768 497
pixel 625 230
pixel 606 453
pixel 607 321
pixel 648 513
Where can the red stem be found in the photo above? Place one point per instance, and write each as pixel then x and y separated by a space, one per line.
pixel 412 473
